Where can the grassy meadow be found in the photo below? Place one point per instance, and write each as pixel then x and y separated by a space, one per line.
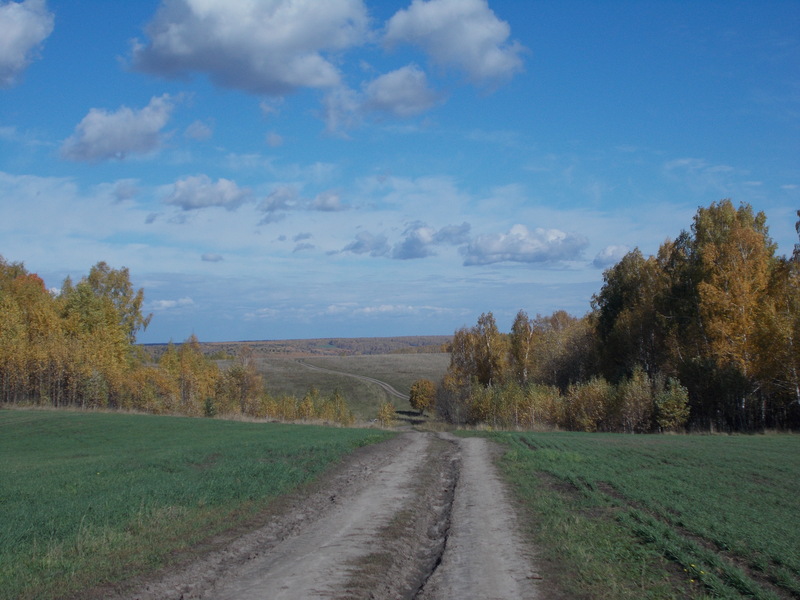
pixel 93 497
pixel 624 516
pixel 285 375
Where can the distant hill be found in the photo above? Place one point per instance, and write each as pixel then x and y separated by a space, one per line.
pixel 323 346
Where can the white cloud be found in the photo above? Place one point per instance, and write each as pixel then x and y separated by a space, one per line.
pixel 210 257
pixel 417 242
pixel 25 25
pixel 522 245
pixel 609 256
pixel 341 109
pixel 195 192
pixel 365 242
pixel 274 139
pixel 198 131
pixel 453 234
pixel 402 93
pixel 103 135
pixel 265 47
pixel 161 305
pixel 328 202
pixel 465 34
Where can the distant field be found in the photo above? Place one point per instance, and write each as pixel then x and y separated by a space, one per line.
pixel 624 516
pixel 90 497
pixel 286 376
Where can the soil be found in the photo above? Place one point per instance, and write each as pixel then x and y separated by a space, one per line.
pixel 421 516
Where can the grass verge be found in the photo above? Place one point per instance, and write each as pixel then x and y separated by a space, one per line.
pixel 622 516
pixel 91 498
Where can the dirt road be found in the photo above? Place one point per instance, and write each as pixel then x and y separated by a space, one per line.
pixel 392 392
pixel 422 516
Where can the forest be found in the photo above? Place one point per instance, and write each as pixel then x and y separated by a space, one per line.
pixel 77 348
pixel 702 336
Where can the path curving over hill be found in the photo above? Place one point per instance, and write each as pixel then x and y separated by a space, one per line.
pixel 382 384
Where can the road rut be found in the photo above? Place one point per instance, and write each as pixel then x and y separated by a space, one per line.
pixel 423 516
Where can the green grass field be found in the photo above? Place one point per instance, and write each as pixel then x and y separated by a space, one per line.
pixel 285 376
pixel 623 516
pixel 90 497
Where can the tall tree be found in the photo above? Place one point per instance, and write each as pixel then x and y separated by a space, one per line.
pixel 116 286
pixel 627 320
pixel 521 343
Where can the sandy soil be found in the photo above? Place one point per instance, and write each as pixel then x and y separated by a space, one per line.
pixel 422 516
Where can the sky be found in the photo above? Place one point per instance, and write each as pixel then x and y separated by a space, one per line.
pixel 282 169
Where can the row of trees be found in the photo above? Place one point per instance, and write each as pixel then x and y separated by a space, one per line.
pixel 78 348
pixel 711 322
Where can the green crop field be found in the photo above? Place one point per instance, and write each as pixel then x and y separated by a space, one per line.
pixel 623 516
pixel 90 497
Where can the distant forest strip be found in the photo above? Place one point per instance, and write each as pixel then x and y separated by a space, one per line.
pixel 418 344
pixel 78 348
pixel 705 335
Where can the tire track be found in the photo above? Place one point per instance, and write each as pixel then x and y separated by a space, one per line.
pixel 382 384
pixel 423 516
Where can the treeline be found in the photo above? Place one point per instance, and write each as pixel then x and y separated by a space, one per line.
pixel 77 347
pixel 703 335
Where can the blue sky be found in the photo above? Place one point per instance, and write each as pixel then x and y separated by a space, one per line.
pixel 274 169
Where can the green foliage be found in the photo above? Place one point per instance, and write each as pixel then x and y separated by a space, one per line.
pixel 672 406
pixel 633 512
pixel 90 497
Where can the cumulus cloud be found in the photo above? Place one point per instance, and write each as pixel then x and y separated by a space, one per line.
pixel 465 34
pixel 195 192
pixel 609 256
pixel 328 202
pixel 367 243
pixel 416 244
pixel 267 48
pixel 159 305
pixel 198 131
pixel 402 93
pixel 418 241
pixel 453 234
pixel 522 245
pixel 25 25
pixel 103 135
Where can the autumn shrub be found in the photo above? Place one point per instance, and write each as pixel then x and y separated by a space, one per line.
pixel 423 395
pixel 386 414
pixel 672 406
pixel 585 404
pixel 634 403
